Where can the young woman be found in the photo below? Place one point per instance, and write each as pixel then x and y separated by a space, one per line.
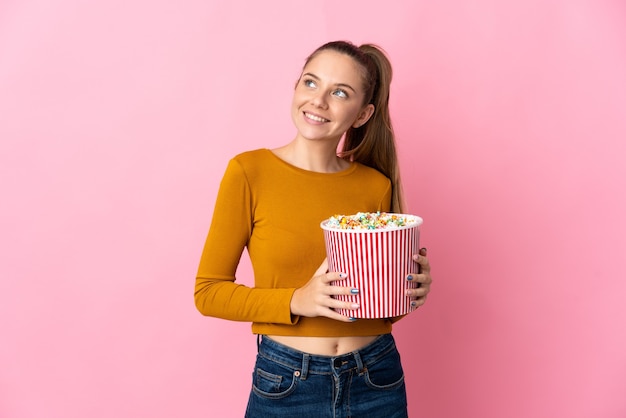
pixel 311 360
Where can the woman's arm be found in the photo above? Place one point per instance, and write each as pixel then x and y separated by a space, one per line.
pixel 216 293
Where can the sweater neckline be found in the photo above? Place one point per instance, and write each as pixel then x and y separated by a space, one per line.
pixel 344 172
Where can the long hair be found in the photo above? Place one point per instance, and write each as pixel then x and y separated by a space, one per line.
pixel 372 144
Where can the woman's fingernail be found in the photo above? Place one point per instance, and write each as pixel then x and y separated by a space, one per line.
pixel 342 275
pixel 354 291
pixel 355 306
pixel 416 257
pixel 414 304
pixel 352 319
pixel 409 277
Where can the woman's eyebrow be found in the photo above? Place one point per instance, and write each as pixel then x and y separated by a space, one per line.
pixel 348 86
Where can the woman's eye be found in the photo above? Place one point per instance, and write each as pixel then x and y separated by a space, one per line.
pixel 341 93
pixel 309 83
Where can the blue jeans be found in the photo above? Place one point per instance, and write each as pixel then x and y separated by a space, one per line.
pixel 365 383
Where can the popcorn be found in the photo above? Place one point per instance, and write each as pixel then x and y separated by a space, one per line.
pixel 370 220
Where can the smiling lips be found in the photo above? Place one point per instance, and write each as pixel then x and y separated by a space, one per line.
pixel 315 118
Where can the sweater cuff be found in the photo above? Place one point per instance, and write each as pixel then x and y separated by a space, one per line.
pixel 293 319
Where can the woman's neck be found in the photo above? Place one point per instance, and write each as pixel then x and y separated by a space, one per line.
pixel 312 156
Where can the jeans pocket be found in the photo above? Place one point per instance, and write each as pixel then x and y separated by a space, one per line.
pixel 274 384
pixel 386 373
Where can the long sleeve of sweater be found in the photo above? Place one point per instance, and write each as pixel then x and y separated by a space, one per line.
pixel 216 293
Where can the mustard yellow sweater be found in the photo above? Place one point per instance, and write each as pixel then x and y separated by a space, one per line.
pixel 275 209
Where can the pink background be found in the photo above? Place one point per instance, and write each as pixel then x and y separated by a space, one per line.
pixel 117 119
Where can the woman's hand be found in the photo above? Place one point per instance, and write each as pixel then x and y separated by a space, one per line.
pixel 315 297
pixel 423 278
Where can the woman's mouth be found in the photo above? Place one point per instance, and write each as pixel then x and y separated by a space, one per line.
pixel 315 118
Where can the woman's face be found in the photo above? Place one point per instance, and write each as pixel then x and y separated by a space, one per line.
pixel 329 96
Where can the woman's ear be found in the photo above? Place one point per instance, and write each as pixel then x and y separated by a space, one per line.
pixel 364 115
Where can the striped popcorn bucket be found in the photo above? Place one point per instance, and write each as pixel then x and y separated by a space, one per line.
pixel 377 262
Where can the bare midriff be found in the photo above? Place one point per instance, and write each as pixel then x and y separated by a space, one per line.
pixel 324 346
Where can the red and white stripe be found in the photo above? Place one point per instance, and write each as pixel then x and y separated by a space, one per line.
pixel 377 263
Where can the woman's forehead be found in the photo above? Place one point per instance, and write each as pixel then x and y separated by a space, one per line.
pixel 334 65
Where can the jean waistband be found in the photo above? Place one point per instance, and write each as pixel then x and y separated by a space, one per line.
pixel 313 363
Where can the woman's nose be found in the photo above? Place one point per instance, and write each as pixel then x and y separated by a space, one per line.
pixel 319 100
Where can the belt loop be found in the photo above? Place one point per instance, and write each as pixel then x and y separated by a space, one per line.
pixel 258 342
pixel 305 365
pixel 359 362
